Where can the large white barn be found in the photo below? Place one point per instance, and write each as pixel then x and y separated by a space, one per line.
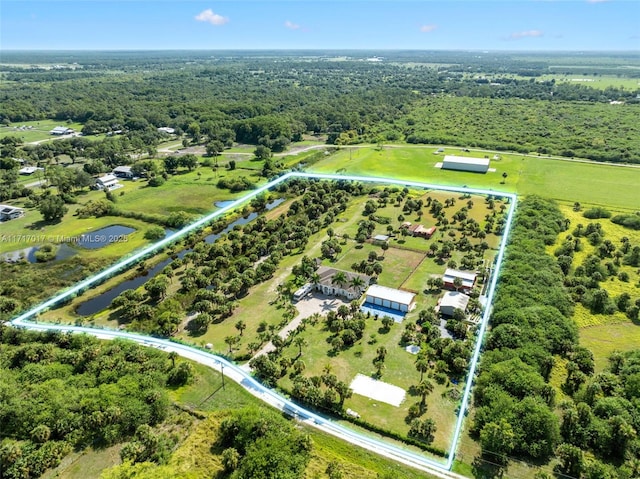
pixel 390 298
pixel 464 163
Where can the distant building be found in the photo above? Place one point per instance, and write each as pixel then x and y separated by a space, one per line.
pixel 122 172
pixel 463 163
pixel 327 285
pixel 8 212
pixel 453 300
pixel 421 231
pixel 166 129
pixel 29 170
pixel 390 298
pixel 380 239
pixel 468 279
pixel 61 130
pixel 107 182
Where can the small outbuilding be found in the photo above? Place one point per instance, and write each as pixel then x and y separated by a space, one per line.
pixel 29 170
pixel 390 298
pixel 380 239
pixel 61 130
pixel 453 300
pixel 167 129
pixel 421 232
pixel 8 212
pixel 122 172
pixel 464 163
pixel 107 182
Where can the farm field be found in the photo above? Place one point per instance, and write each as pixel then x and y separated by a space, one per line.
pixel 557 179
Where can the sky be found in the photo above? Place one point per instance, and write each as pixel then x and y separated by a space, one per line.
pixel 517 25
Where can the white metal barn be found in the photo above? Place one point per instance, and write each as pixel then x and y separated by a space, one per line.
pixel 463 163
pixel 390 298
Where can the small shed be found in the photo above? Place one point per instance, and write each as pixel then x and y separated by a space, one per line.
pixel 123 172
pixel 464 163
pixel 380 239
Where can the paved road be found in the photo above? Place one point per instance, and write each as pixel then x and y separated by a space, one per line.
pixel 272 398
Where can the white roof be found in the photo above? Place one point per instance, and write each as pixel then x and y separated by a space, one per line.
pixel 27 170
pixel 455 300
pixel 8 208
pixel 124 169
pixel 107 179
pixel 381 238
pixel 467 277
pixel 391 294
pixel 466 160
pixel 59 129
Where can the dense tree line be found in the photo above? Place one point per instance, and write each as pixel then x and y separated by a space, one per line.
pixel 530 324
pixel 60 392
pixel 272 103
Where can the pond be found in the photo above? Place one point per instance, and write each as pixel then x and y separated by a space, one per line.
pixel 103 301
pixel 104 236
pixel 29 254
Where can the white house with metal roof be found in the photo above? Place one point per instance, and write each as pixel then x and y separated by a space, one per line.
pixel 390 298
pixel 8 212
pixel 107 182
pixel 465 163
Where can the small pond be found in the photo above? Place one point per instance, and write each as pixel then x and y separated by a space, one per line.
pixel 103 301
pixel 104 236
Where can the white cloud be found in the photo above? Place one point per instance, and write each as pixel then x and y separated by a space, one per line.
pixel 428 28
pixel 525 34
pixel 212 18
pixel 291 25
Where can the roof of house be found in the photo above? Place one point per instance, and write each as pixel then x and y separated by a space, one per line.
pixel 390 294
pixel 7 209
pixel 466 160
pixel 326 275
pixel 122 169
pixel 381 238
pixel 60 129
pixel 107 179
pixel 455 300
pixel 467 277
pixel 27 170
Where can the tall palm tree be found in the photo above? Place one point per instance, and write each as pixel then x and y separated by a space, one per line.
pixel 340 278
pixel 422 365
pixel 357 283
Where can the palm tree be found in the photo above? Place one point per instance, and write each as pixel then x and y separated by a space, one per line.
pixel 356 282
pixel 422 365
pixel 340 278
pixel 424 388
pixel 241 326
pixel 382 353
pixel 173 356
pixel 300 342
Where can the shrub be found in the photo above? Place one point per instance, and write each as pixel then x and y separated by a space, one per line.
pixel 597 212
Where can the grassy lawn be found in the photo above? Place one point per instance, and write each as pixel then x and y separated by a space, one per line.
pixel 399 371
pixel 595 183
pixel 39 131
pixel 605 339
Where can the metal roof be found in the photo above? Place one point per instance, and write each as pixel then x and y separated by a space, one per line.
pixel 466 160
pixel 455 300
pixel 391 294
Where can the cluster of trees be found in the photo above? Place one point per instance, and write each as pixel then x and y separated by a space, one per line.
pixel 606 263
pixel 530 325
pixel 64 392
pixel 257 443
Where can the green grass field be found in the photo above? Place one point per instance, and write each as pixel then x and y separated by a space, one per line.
pixel 39 131
pixel 593 183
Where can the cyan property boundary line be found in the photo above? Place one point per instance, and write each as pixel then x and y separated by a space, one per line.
pixel 29 320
